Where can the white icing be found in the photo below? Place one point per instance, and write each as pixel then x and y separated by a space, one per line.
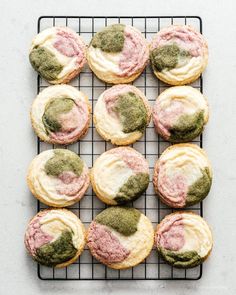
pixel 183 71
pixel 185 160
pixel 197 235
pixel 104 62
pixel 192 100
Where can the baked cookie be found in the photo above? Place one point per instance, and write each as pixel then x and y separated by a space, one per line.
pixel 182 175
pixel 180 113
pixel 178 54
pixel 58 177
pixel 58 54
pixel 118 54
pixel 55 237
pixel 60 114
pixel 120 237
pixel 120 175
pixel 121 114
pixel 184 239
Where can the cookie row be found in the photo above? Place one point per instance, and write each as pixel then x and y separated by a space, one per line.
pixel 60 114
pixel 119 53
pixel 182 176
pixel 119 237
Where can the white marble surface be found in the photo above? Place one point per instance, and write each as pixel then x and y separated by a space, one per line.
pixel 18 143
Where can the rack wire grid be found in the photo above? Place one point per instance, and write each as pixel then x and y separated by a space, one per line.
pixel 92 145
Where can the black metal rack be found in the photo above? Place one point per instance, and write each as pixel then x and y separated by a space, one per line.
pixel 90 147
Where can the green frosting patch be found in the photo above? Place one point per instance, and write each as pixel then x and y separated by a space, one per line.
pixel 133 188
pixel 132 112
pixel 185 259
pixel 45 62
pixel 200 189
pixel 111 39
pixel 167 57
pixel 53 109
pixel 122 219
pixel 187 127
pixel 58 251
pixel 63 161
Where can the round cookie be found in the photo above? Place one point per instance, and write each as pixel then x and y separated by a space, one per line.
pixel 120 237
pixel 184 239
pixel 118 54
pixel 121 114
pixel 180 113
pixel 182 175
pixel 60 114
pixel 58 54
pixel 55 237
pixel 120 175
pixel 178 54
pixel 58 177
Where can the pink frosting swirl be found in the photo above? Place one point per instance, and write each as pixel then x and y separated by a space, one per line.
pixel 185 36
pixel 132 159
pixel 170 234
pixel 34 236
pixel 72 185
pixel 73 123
pixel 104 245
pixel 69 44
pixel 135 53
pixel 165 118
pixel 173 189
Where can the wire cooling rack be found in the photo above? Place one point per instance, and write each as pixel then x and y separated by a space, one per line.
pixel 90 147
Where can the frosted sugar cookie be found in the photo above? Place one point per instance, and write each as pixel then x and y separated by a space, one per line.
pixel 60 114
pixel 182 175
pixel 179 54
pixel 58 177
pixel 180 113
pixel 55 237
pixel 58 54
pixel 121 114
pixel 120 175
pixel 118 54
pixel 120 237
pixel 184 239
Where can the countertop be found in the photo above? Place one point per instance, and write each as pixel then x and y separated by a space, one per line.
pixel 18 143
